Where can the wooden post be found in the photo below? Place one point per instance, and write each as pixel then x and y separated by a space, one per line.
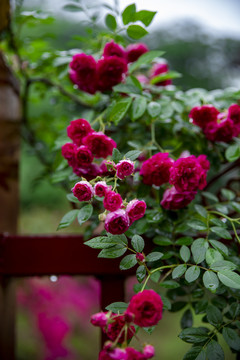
pixel 10 116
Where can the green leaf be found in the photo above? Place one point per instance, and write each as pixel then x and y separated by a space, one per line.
pixel 165 76
pixel 72 7
pixel 145 16
pixel 118 239
pixel 200 306
pixel 154 109
pixel 145 59
pixel 219 246
pixel 213 255
pixel 199 248
pixel 186 240
pixel 197 225
pixel 154 256
pixel 193 335
pixel 128 14
pixel 67 219
pixel 185 253
pixel 85 213
pixel 166 303
pixel 201 210
pixel 116 155
pixel 214 351
pixel 231 337
pixel 141 273
pixel 113 252
pixel 179 271
pixel 233 152
pixel 195 353
pixel 136 31
pixel 117 307
pixel 187 319
pixel 132 154
pixel 214 315
pixel 72 198
pixel 228 194
pixel 119 110
pixel 221 232
pixel 128 262
pixel 169 284
pixel 127 89
pixel 236 206
pixel 139 106
pixel 137 243
pixel 234 310
pixel 192 273
pixel 110 21
pixel 223 265
pixel 105 242
pixel 155 276
pixel 229 278
pixel 162 240
pixel 210 280
pixel 209 196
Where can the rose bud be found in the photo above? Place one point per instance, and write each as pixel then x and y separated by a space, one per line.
pixel 117 222
pixel 99 319
pixel 148 351
pixel 174 200
pixel 83 72
pixel 112 201
pixel 110 72
pixel 146 307
pixel 124 168
pixel 83 191
pixel 140 257
pixel 68 152
pixel 136 209
pixel 84 157
pixel 134 51
pixel 78 129
pixel 111 49
pixel 100 145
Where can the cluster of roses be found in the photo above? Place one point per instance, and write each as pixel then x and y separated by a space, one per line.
pixel 187 175
pixel 144 310
pixel 86 145
pixel 120 214
pixel 217 126
pixel 91 75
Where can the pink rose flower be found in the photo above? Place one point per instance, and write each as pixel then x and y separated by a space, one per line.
pixel 156 170
pixel 112 201
pixel 148 351
pixel 112 354
pixel 88 172
pixel 113 49
pixel 106 169
pixel 136 209
pixel 68 152
pixel 84 157
pixel 117 222
pixel 110 72
pixel 222 131
pixel 99 319
pixel 115 327
pixel 124 168
pixel 83 191
pixel 133 354
pixel 234 115
pixel 99 144
pixel 203 161
pixel 187 174
pixel 203 115
pixel 83 72
pixel 159 69
pixel 134 51
pixel 78 129
pixel 174 200
pixel 146 307
pixel 100 188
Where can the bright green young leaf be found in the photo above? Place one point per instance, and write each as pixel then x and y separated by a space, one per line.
pixel 145 16
pixel 229 278
pixel 128 14
pixel 233 152
pixel 116 155
pixel 139 106
pixel 119 110
pixel 128 262
pixel 210 280
pixel 137 243
pixel 110 21
pixel 68 219
pixel 192 273
pixel 165 76
pixel 85 213
pixel 185 253
pixel 179 271
pixel 136 32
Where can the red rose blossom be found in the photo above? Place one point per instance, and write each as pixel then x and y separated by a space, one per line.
pixel 110 72
pixel 187 174
pixel 133 354
pixel 204 115
pixel 107 168
pixel 155 171
pixel 78 129
pixel 84 156
pixel 234 115
pixel 174 200
pixel 124 168
pixel 100 188
pixel 68 152
pixel 117 222
pixel 113 49
pixel 134 51
pixel 159 69
pixel 83 191
pixel 221 131
pixel 100 145
pixel 115 327
pixel 83 72
pixel 112 201
pixel 136 209
pixel 88 172
pixel 146 306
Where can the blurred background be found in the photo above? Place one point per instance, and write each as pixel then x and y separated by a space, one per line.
pixel 201 41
